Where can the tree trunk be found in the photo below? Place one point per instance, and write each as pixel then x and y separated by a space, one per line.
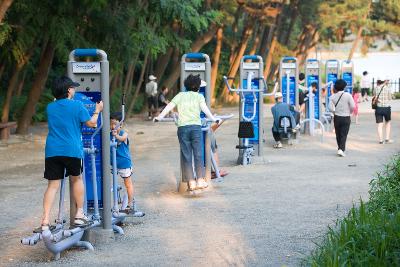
pixel 37 87
pixel 195 47
pixel 139 84
pixel 4 6
pixel 2 67
pixel 257 39
pixel 293 18
pixel 128 77
pixel 114 84
pixel 20 86
pixel 265 41
pixel 236 63
pixel 234 42
pixel 162 63
pixel 215 63
pixel 268 61
pixel 359 32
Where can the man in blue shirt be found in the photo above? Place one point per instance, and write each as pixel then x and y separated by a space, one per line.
pixel 279 110
pixel 64 148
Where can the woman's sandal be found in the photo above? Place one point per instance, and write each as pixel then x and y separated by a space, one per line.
pixel 82 222
pixel 43 228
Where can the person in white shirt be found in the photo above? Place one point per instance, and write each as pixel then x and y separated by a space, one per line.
pixel 365 86
pixel 151 92
pixel 342 105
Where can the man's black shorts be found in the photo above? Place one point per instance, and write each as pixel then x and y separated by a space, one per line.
pixel 383 112
pixel 55 166
pixel 364 91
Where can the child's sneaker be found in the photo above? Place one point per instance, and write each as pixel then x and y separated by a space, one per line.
pixel 131 210
pixel 201 184
pixel 388 141
pixel 340 153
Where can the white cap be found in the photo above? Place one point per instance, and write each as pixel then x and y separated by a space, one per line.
pixel 152 78
pixel 203 83
pixel 278 95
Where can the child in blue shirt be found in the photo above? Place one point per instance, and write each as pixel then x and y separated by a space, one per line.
pixel 124 162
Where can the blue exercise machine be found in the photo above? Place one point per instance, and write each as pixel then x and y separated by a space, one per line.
pixel 347 75
pixel 288 77
pixel 252 90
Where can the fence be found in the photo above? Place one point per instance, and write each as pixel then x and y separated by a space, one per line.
pixel 393 84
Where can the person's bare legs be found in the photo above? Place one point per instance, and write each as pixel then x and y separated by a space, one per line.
pixel 48 199
pixel 78 193
pixel 380 128
pixel 129 189
pixel 387 130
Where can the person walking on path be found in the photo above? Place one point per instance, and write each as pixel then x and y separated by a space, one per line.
pixel 382 96
pixel 342 105
pixel 64 148
pixel 151 92
pixel 365 85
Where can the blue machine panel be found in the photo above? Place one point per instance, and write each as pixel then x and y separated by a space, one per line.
pixel 292 88
pixel 249 105
pixel 202 91
pixel 310 80
pixel 330 77
pixel 348 77
pixel 89 100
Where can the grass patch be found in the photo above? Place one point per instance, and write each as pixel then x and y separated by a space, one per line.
pixel 370 234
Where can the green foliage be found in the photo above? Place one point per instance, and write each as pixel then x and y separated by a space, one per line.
pixel 370 234
pixel 397 95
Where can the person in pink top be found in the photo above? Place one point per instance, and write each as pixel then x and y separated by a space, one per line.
pixel 356 97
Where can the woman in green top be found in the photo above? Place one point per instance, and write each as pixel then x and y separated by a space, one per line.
pixel 189 105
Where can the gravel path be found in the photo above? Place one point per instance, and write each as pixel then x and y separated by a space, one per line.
pixel 266 214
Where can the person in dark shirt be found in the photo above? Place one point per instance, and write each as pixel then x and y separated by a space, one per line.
pixel 162 98
pixel 278 110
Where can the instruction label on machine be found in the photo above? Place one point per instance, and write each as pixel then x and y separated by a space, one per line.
pixel 89 100
pixel 86 67
pixel 195 66
pixel 249 108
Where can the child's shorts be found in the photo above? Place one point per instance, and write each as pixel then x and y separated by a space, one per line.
pixel 124 173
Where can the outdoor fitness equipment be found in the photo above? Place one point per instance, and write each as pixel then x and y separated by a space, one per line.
pixel 94 86
pixel 313 109
pixel 347 75
pixel 198 64
pixel 251 92
pixel 332 67
pixel 288 74
pixel 94 82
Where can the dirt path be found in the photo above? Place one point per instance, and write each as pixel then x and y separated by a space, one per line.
pixel 266 214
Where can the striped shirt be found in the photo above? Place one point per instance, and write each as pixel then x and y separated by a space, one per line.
pixel 384 97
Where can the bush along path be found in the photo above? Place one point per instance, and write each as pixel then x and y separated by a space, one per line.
pixel 370 234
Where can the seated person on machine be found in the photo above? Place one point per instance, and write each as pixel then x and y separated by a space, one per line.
pixel 280 110
pixel 162 98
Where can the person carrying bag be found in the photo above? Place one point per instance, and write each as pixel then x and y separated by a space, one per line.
pixel 342 105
